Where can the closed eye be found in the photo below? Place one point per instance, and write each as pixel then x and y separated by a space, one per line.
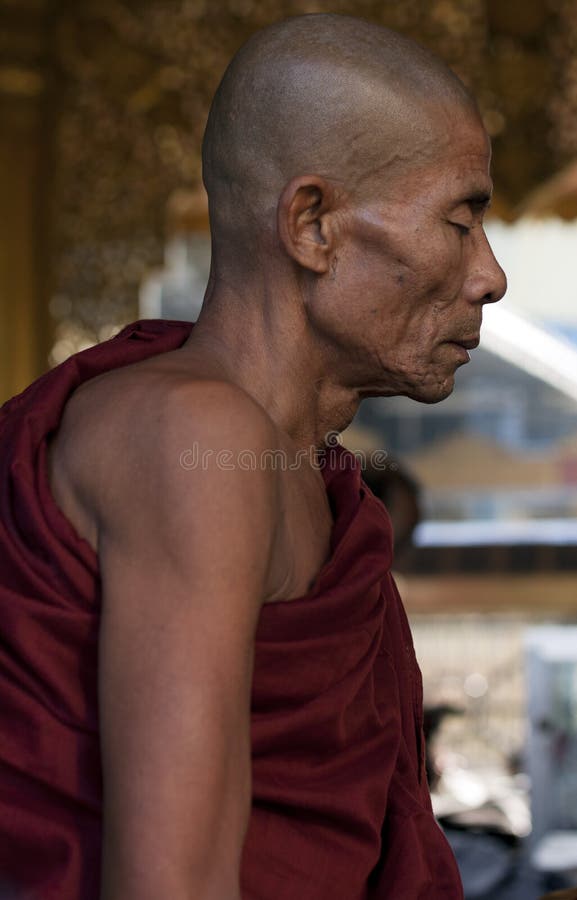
pixel 462 229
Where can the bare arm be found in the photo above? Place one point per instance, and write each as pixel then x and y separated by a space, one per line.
pixel 184 557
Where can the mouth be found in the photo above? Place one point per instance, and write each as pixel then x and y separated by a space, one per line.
pixel 462 347
pixel 468 343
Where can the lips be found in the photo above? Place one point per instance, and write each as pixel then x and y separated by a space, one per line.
pixel 468 343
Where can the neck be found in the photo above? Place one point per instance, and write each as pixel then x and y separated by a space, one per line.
pixel 261 340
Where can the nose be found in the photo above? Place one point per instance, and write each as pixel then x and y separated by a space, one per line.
pixel 488 282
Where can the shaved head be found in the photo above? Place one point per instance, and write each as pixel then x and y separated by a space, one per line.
pixel 329 95
pixel 348 173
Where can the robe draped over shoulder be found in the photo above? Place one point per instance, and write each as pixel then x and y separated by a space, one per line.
pixel 341 806
pixel 341 809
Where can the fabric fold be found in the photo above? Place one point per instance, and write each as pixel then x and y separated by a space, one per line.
pixel 340 805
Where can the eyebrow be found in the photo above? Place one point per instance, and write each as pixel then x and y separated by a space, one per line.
pixel 477 201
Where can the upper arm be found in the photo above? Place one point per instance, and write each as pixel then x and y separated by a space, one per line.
pixel 184 555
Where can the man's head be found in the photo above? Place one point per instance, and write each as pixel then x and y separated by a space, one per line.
pixel 352 161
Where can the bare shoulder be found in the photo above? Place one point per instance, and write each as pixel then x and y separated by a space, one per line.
pixel 189 435
pixel 140 439
pixel 185 547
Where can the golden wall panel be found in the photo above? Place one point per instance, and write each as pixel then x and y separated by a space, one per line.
pixel 133 80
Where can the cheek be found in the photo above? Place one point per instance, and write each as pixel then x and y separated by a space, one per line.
pixel 422 312
pixel 430 265
pixel 403 293
pixel 434 298
pixel 448 275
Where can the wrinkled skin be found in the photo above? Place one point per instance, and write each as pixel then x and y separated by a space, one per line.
pixel 347 185
pixel 409 285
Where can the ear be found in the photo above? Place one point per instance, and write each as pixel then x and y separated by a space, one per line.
pixel 305 223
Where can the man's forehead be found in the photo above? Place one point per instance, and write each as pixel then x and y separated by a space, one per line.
pixel 441 188
pixel 446 137
pixel 464 161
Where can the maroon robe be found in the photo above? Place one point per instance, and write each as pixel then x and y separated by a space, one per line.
pixel 341 808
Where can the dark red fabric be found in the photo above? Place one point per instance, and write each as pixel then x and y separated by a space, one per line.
pixel 341 806
pixel 341 809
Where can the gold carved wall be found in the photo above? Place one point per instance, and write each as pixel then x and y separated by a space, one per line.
pixel 25 332
pixel 129 86
pixel 137 78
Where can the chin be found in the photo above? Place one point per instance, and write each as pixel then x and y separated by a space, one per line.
pixel 433 393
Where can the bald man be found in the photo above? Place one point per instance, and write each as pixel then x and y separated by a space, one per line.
pixel 205 662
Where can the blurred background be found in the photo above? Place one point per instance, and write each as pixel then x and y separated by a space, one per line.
pixel 103 220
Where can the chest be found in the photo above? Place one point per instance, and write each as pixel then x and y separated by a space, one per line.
pixel 304 533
